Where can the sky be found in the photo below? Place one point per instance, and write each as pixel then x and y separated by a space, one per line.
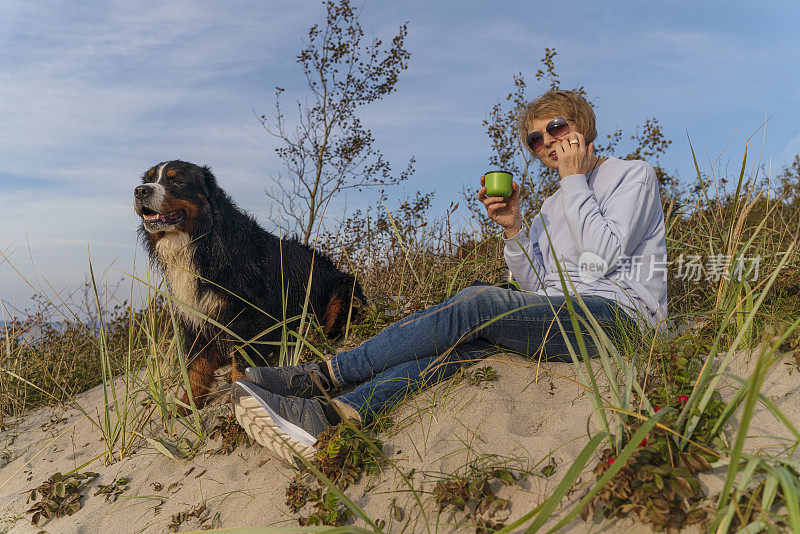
pixel 92 93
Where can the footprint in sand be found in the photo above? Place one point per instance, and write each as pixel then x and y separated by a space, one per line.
pixel 524 423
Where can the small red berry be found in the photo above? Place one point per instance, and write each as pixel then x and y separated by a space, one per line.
pixel 610 461
pixel 643 443
pixel 683 398
pixel 656 409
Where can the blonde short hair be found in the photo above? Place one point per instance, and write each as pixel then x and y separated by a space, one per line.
pixel 556 103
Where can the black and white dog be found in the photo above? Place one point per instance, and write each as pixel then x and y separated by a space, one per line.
pixel 219 263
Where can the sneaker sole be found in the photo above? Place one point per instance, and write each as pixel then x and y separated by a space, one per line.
pixel 280 437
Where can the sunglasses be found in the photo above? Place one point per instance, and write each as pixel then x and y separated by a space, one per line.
pixel 557 127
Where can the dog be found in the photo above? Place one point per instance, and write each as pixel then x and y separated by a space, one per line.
pixel 220 264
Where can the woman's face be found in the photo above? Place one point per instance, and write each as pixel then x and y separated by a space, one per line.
pixel 547 154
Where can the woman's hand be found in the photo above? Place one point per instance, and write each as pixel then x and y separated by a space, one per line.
pixel 503 211
pixel 574 157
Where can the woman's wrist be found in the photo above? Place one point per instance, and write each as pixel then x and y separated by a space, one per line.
pixel 512 231
pixel 585 167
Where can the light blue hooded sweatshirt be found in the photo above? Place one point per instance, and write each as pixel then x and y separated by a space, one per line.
pixel 608 233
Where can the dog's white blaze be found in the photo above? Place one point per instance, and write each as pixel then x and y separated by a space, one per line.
pixel 158 197
pixel 160 172
pixel 177 253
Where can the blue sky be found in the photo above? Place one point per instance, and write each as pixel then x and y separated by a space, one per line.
pixel 93 93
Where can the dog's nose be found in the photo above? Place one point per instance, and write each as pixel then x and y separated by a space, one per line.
pixel 143 191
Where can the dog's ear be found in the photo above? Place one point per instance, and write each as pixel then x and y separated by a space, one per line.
pixel 213 193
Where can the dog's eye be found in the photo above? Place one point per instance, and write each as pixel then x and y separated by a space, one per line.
pixel 177 183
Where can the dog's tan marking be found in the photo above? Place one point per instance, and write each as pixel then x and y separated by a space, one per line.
pixel 171 173
pixel 177 253
pixel 332 312
pixel 236 374
pixel 190 208
pixel 201 376
pixel 151 172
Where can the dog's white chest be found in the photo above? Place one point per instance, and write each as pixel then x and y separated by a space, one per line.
pixel 177 254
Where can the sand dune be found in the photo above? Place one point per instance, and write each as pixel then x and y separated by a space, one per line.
pixel 528 415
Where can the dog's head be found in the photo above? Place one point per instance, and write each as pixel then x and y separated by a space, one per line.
pixel 172 196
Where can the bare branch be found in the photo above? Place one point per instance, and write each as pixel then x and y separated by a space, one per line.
pixel 329 150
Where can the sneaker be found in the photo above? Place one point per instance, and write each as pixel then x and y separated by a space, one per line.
pixel 285 426
pixel 295 381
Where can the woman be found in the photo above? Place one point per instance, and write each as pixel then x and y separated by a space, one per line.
pixel 605 227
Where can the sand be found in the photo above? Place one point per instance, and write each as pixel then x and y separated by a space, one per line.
pixel 526 416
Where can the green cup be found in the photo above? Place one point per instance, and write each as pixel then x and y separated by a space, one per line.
pixel 498 183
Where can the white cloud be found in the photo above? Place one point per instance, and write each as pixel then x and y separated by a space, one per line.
pixel 110 77
pixel 792 149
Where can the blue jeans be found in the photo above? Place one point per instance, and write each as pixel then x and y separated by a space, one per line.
pixel 433 344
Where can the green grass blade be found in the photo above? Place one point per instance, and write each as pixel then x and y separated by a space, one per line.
pixel 791 494
pixel 751 397
pixel 725 520
pixel 774 410
pixel 198 427
pixel 109 434
pixel 753 528
pixel 769 492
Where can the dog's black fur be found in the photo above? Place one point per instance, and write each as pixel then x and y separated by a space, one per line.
pixel 191 226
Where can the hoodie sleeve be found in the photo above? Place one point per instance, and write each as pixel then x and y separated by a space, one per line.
pixel 524 258
pixel 615 230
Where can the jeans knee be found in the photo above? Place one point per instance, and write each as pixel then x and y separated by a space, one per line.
pixel 481 296
pixel 477 303
pixel 466 293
